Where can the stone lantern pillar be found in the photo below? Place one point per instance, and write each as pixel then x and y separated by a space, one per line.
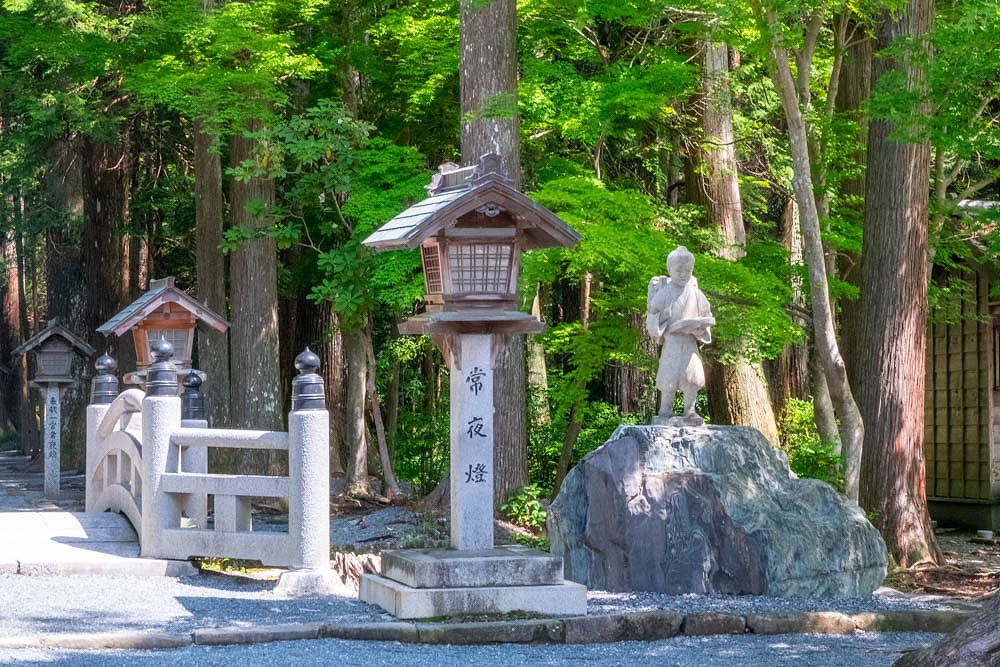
pixel 53 349
pixel 471 231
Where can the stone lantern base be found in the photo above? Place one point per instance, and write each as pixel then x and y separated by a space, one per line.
pixel 427 583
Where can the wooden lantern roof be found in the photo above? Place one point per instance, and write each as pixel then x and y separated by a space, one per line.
pixel 457 192
pixel 58 331
pixel 163 297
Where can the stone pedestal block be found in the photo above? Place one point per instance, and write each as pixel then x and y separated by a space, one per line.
pixel 427 583
pixel 402 601
pixel 448 568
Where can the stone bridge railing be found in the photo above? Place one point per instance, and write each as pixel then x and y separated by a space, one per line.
pixel 146 460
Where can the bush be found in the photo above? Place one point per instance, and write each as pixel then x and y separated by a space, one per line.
pixel 808 456
pixel 524 507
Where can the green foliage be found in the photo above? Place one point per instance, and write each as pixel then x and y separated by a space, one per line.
pixel 625 242
pixel 525 508
pixel 386 179
pixel 224 65
pixel 545 443
pixel 808 456
pixel 422 450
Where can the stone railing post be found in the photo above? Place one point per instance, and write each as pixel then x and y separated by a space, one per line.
pixel 103 390
pixel 161 417
pixel 194 459
pixel 308 484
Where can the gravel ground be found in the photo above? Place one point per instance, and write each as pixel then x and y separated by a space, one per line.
pixel 34 605
pixel 40 604
pixel 861 650
pixel 101 603
pixel 884 599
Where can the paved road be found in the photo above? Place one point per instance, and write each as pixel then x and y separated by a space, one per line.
pixel 862 650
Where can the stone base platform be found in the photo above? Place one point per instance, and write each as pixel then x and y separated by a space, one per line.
pixel 427 583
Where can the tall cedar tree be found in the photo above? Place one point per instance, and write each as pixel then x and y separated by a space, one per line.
pixel 737 392
pixel 894 312
pixel 488 83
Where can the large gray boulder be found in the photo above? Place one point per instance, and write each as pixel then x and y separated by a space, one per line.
pixel 710 509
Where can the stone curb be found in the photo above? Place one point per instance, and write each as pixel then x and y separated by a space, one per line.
pixel 603 628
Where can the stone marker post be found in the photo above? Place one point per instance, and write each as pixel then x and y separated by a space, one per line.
pixel 53 349
pixel 472 444
pixel 52 444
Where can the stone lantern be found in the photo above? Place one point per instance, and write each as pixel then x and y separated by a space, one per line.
pixel 471 231
pixel 54 348
pixel 164 312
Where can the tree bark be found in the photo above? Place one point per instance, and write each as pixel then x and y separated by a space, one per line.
pixel 254 345
pixel 788 374
pixel 10 335
pixel 737 393
pixel 488 89
pixel 488 82
pixel 105 247
pixel 852 93
pixel 210 267
pixel 824 332
pixel 894 315
pixel 357 366
pixel 392 489
pixel 975 642
pixel 64 287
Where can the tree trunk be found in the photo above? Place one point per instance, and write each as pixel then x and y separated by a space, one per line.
pixel 357 366
pixel 10 335
pixel 254 347
pixel 852 93
pixel 824 332
pixel 392 489
pixel 64 287
pixel 894 315
pixel 788 374
pixel 626 385
pixel 488 82
pixel 210 267
pixel 975 642
pixel 824 415
pixel 737 392
pixel 105 250
pixel 488 89
pixel 537 372
pixel 510 441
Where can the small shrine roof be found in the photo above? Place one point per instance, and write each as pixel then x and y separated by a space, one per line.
pixel 54 328
pixel 160 292
pixel 456 191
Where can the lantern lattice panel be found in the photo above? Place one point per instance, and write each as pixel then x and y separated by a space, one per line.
pixel 481 268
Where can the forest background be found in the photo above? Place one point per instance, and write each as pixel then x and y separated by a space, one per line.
pixel 814 154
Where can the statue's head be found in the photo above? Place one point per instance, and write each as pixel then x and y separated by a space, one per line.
pixel 680 264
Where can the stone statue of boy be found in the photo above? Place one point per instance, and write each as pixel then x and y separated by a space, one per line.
pixel 679 317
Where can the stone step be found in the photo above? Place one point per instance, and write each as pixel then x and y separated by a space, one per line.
pixel 448 568
pixel 565 599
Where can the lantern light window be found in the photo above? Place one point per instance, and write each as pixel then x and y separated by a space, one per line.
pixel 480 268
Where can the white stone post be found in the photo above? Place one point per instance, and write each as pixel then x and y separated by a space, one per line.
pixel 472 443
pixel 309 488
pixel 95 414
pixel 53 420
pixel 161 416
pixel 308 485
